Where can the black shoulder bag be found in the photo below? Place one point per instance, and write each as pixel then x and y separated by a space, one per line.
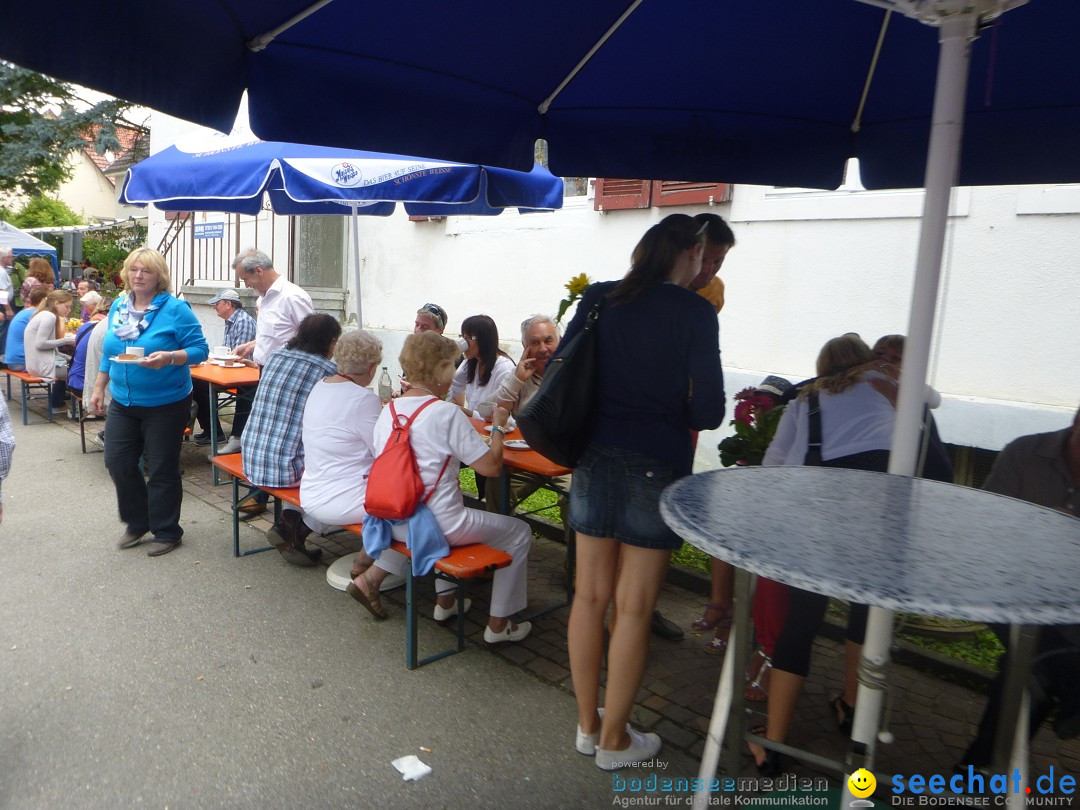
pixel 558 421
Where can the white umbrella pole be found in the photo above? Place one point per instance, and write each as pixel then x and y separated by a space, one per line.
pixel 956 33
pixel 356 264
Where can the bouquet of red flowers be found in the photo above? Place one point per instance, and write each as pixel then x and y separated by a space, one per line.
pixel 756 418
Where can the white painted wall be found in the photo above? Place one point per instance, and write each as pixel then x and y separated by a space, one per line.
pixel 88 192
pixel 808 266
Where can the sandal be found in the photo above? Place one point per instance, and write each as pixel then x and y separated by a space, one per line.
pixel 704 624
pixel 716 645
pixel 845 713
pixel 370 599
pixel 361 564
pixel 757 677
pixel 770 763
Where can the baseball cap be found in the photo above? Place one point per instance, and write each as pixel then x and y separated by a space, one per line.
pixel 225 295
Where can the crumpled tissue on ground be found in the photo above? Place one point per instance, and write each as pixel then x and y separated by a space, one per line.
pixel 411 768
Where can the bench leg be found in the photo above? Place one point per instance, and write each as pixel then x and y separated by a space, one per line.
pixel 25 394
pixel 410 617
pixel 235 517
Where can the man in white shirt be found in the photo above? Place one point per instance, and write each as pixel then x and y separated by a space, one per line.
pixel 281 305
pixel 7 293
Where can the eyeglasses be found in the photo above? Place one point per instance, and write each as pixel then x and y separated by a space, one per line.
pixel 435 310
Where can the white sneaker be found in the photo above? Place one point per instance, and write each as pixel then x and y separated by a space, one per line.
pixel 586 743
pixel 231 446
pixel 442 614
pixel 392 582
pixel 644 745
pixel 509 633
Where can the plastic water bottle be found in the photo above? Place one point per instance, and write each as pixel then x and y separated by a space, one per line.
pixel 386 390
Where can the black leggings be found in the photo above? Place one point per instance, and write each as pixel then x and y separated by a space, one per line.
pixel 806 609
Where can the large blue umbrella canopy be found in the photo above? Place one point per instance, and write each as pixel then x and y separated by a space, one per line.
pixel 232 173
pixel 758 91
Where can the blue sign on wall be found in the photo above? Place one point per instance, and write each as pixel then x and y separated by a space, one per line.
pixel 210 230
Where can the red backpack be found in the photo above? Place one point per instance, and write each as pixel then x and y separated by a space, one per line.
pixel 394 487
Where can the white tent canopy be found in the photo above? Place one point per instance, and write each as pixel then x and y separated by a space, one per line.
pixel 23 244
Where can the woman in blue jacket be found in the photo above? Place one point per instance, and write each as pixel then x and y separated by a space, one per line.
pixel 658 377
pixel 151 399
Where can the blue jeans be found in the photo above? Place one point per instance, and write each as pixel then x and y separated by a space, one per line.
pixel 149 504
pixel 616 493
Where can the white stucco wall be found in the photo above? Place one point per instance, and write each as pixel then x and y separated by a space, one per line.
pixel 88 192
pixel 808 266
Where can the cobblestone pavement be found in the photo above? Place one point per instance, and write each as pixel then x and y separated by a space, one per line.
pixel 932 720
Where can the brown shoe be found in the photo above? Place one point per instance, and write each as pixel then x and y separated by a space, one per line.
pixel 157 548
pixel 130 539
pixel 282 536
pixel 249 507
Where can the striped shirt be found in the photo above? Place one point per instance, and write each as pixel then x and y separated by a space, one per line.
pixel 239 328
pixel 7 445
pixel 272 448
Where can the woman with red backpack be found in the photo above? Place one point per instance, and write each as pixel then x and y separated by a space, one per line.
pixel 442 437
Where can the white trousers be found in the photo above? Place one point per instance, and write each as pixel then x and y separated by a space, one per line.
pixel 509 586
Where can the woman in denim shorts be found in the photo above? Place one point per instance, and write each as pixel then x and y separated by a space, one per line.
pixel 658 378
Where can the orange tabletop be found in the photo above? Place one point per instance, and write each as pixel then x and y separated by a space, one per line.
pixel 526 460
pixel 225 377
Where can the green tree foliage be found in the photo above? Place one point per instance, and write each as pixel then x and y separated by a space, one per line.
pixel 41 123
pixel 45 212
pixel 106 250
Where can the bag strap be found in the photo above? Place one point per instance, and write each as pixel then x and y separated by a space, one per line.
pixel 406 426
pixel 437 480
pixel 813 447
pixel 409 419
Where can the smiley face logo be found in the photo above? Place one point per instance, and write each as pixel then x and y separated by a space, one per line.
pixel 861 783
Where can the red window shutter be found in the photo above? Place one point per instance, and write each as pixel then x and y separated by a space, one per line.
pixel 616 195
pixel 681 192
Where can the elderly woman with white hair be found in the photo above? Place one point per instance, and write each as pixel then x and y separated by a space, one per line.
pixel 339 423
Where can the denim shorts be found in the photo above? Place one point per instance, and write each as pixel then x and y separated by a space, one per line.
pixel 616 493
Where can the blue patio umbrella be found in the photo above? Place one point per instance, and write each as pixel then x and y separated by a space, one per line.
pixel 232 173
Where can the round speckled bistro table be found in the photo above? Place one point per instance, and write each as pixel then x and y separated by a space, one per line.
pixel 889 541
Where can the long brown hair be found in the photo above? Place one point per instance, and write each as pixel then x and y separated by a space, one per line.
pixel 51 300
pixel 655 255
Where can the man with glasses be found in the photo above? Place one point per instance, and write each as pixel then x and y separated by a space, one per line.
pixel 430 318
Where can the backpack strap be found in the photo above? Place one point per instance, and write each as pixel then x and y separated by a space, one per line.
pixel 408 420
pixel 437 480
pixel 813 447
pixel 406 425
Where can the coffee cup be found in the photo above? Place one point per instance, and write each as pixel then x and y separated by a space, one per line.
pixel 220 351
pixel 462 344
pixel 486 410
pixel 138 351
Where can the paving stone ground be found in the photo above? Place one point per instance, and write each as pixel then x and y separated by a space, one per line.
pixel 932 720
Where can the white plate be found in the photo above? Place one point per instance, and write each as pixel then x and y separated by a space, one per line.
pixel 121 360
pixel 224 364
pixel 511 426
pixel 227 357
pixel 516 444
